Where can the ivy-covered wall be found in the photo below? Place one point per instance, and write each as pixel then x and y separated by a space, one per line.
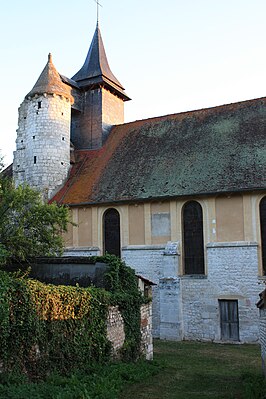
pixel 46 327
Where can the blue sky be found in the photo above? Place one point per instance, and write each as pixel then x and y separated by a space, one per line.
pixel 171 56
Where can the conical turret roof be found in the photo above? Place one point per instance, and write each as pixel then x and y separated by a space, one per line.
pixel 96 69
pixel 50 82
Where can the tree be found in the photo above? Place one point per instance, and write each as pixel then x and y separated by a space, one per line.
pixel 28 227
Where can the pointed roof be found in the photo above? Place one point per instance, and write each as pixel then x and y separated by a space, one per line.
pixel 96 69
pixel 50 82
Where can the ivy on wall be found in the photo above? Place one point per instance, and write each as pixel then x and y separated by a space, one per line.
pixel 121 281
pixel 46 327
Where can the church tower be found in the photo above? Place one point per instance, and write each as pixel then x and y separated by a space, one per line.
pixel 60 114
pixel 42 156
pixel 103 98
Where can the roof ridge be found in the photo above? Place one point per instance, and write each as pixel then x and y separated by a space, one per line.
pixel 213 108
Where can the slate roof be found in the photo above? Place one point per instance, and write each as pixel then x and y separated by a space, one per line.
pixel 214 150
pixel 7 172
pixel 50 82
pixel 96 69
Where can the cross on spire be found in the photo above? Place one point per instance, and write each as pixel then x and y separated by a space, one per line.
pixel 98 4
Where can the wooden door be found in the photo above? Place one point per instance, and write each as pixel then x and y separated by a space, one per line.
pixel 229 320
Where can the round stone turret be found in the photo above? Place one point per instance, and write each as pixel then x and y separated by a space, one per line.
pixel 42 156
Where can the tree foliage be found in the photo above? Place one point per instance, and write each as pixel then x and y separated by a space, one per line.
pixel 28 227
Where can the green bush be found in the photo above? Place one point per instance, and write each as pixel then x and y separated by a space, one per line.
pixel 100 381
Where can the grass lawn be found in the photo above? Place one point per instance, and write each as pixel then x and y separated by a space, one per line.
pixel 181 370
pixel 193 370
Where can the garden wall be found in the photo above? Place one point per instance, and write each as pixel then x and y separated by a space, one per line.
pixel 116 331
pixel 46 327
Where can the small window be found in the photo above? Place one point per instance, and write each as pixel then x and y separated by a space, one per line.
pixel 62 113
pixel 34 159
pixel 21 141
pixel 39 104
pixel 193 244
pixel 63 139
pixel 263 232
pixel 62 163
pixel 25 117
pixel 33 137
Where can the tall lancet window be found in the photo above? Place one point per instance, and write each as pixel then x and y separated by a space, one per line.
pixel 111 232
pixel 263 232
pixel 193 244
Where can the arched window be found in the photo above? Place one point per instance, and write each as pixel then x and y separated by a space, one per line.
pixel 263 232
pixel 193 245
pixel 111 231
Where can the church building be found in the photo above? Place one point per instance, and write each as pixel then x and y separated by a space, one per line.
pixel 181 198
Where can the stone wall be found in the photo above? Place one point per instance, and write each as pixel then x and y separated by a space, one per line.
pixel 42 156
pixel 116 332
pixel 233 274
pixel 147 262
pixel 187 306
pixel 263 338
pixel 146 331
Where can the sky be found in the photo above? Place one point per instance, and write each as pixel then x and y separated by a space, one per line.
pixel 171 56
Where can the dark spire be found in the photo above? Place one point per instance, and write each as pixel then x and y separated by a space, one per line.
pixel 96 69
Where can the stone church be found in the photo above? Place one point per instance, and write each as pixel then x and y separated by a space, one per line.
pixel 181 198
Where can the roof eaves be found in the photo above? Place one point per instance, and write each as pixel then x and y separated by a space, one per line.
pixel 163 198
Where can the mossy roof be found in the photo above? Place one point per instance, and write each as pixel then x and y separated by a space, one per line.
pixel 208 151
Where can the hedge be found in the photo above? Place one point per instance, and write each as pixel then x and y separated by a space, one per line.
pixel 47 328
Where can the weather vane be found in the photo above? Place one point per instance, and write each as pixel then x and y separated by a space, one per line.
pixel 98 4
